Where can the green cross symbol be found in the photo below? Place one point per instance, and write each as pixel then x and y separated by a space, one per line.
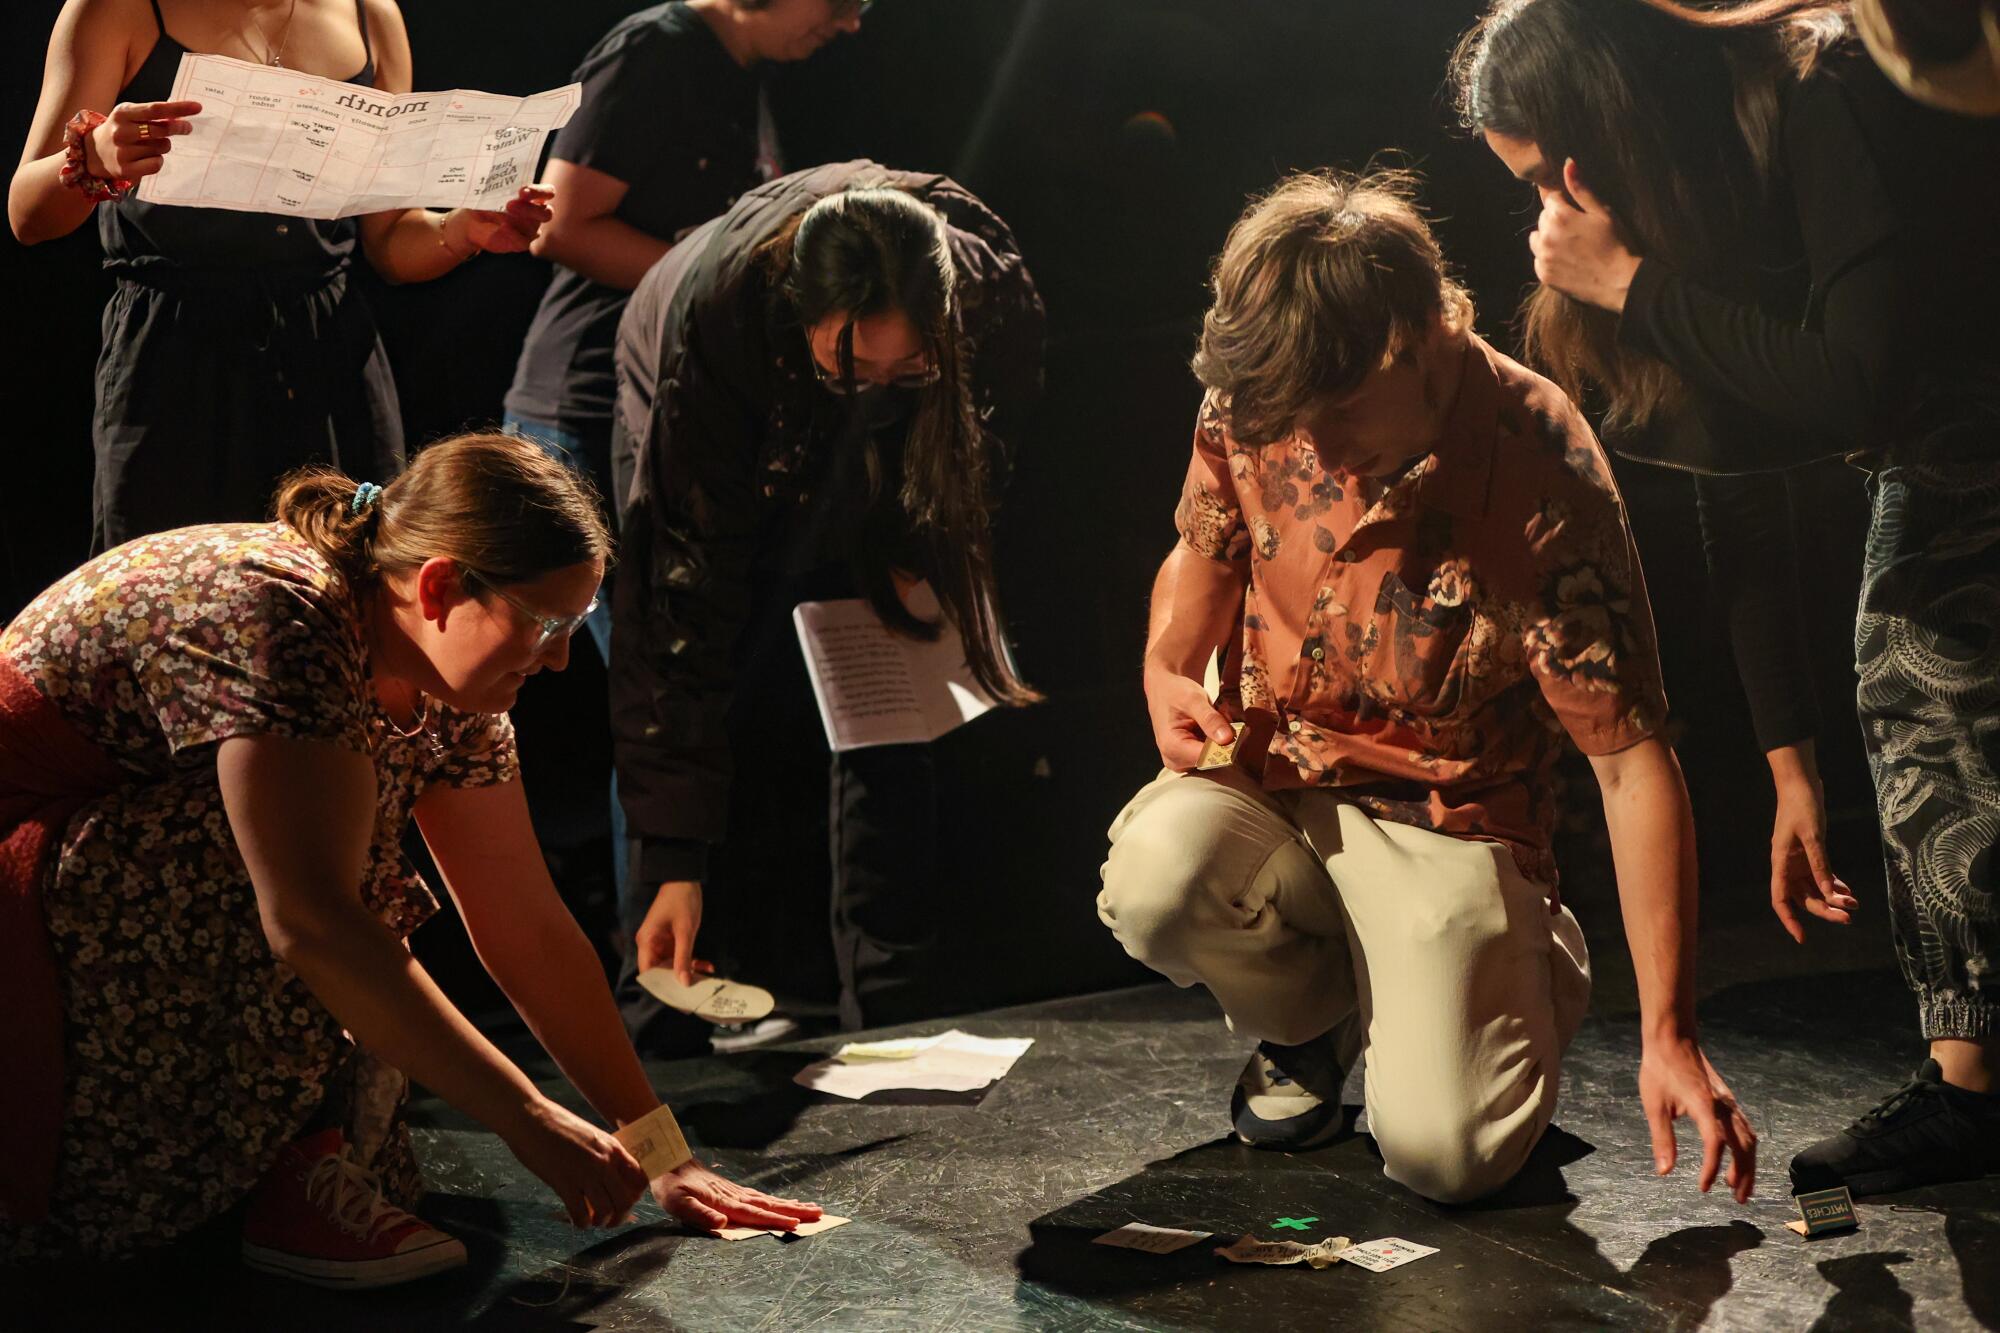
pixel 1295 1223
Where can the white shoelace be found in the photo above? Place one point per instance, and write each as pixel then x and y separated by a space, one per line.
pixel 356 1195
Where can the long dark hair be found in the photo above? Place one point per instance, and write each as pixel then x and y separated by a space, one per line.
pixel 1671 114
pixel 867 252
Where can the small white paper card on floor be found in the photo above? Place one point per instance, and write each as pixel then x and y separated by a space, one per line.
pixel 827 1222
pixel 1151 1239
pixel 1379 1256
pixel 1251 1250
pixel 952 1061
pixel 879 688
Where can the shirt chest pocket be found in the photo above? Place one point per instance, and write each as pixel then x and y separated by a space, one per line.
pixel 1417 658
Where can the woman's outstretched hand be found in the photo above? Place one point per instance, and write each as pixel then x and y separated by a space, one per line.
pixel 1801 878
pixel 590 1171
pixel 699 1197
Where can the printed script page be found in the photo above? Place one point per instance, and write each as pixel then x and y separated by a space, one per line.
pixel 878 688
pixel 273 140
pixel 860 674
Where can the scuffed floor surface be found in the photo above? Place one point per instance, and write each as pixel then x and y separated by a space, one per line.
pixel 977 1213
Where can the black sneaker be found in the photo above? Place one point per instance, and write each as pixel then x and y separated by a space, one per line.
pixel 1288 1097
pixel 1924 1133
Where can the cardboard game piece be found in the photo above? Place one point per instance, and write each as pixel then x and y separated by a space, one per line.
pixel 1823 1211
pixel 712 998
pixel 1151 1239
pixel 656 1143
pixel 951 1061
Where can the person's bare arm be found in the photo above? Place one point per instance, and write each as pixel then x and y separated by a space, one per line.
pixel 306 872
pixel 527 940
pixel 1652 844
pixel 417 244
pixel 1196 602
pixel 1800 873
pixel 585 232
pixel 89 58
pixel 530 944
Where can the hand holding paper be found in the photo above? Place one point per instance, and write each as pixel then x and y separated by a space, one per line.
pixel 275 140
pixel 712 998
pixel 878 688
pixel 512 229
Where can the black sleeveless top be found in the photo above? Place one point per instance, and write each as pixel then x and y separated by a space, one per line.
pixel 138 236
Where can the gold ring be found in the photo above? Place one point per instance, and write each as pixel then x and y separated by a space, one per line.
pixel 146 130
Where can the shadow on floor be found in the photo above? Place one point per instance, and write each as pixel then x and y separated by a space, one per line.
pixel 1515 1256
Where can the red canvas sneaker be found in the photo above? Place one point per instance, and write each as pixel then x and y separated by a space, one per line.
pixel 318 1216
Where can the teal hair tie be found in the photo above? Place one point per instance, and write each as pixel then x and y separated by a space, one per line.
pixel 367 493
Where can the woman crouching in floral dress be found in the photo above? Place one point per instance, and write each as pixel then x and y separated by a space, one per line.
pixel 211 741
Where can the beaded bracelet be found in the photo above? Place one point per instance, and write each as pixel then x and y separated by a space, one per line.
pixel 75 170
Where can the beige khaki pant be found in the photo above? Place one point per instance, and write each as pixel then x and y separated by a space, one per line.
pixel 1432 954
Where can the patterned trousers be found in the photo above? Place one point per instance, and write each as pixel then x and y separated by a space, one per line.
pixel 1927 649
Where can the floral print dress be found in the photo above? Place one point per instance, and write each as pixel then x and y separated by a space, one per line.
pixel 192 1054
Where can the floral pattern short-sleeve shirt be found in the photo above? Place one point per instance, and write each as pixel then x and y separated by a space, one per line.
pixel 1427 653
pixel 174 641
pixel 191 1053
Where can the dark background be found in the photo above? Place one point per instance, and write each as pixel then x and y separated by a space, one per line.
pixel 1119 138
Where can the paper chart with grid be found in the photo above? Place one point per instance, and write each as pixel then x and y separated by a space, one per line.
pixel 274 140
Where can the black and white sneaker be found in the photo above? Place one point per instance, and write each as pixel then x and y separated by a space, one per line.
pixel 1926 1132
pixel 1288 1097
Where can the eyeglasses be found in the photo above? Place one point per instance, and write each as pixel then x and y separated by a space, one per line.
pixel 838 382
pixel 552 627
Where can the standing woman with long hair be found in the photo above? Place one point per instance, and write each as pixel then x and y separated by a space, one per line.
pixel 1688 161
pixel 813 387
pixel 212 741
pixel 236 347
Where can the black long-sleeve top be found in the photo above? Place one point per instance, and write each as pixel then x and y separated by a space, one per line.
pixel 1898 209
pixel 1753 576
pixel 1897 212
pixel 731 440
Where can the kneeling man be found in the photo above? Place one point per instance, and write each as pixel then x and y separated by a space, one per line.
pixel 1415 561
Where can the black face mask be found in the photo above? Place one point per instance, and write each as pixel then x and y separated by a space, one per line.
pixel 880 407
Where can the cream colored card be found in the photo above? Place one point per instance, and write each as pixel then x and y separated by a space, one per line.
pixel 656 1143
pixel 1151 1239
pixel 1219 756
pixel 712 998
pixel 826 1223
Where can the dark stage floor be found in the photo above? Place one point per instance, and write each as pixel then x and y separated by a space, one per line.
pixel 976 1213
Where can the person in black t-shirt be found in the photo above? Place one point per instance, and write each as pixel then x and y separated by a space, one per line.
pixel 672 129
pixel 1761 138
